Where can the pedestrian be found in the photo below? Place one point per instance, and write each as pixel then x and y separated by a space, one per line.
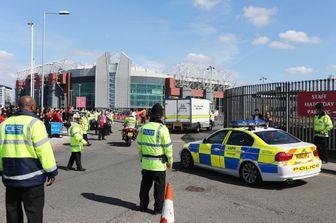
pixel 102 126
pixel 85 127
pixel 268 119
pixel 257 115
pixel 156 155
pixel 322 126
pixel 2 116
pixel 76 144
pixel 46 118
pixel 26 162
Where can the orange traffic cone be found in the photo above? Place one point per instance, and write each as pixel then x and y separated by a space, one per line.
pixel 168 206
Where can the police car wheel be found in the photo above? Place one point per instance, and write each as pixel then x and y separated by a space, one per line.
pixel 186 159
pixel 250 173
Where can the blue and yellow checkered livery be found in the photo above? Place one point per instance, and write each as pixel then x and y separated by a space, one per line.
pixel 230 157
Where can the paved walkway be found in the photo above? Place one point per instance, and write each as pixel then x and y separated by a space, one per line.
pixel 329 167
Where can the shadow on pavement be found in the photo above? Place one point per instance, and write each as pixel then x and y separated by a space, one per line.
pixel 66 144
pixel 109 200
pixel 118 144
pixel 234 180
pixel 61 167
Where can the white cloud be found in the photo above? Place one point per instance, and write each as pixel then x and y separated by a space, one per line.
pixel 260 40
pixel 227 39
pixel 298 37
pixel 281 45
pixel 332 67
pixel 300 70
pixel 197 58
pixel 206 4
pixel 4 56
pixel 259 16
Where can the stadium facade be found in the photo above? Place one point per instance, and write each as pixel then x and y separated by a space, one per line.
pixel 115 83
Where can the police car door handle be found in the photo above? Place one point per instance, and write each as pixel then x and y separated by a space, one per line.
pixel 217 149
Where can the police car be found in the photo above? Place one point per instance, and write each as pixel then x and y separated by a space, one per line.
pixel 255 153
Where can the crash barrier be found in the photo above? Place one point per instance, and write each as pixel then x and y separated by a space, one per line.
pixel 56 128
pixel 281 100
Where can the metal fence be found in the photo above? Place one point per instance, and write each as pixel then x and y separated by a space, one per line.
pixel 280 99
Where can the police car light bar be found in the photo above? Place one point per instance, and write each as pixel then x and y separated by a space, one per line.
pixel 248 123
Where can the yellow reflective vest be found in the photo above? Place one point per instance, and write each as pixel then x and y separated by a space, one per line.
pixel 322 125
pixel 85 125
pixel 26 155
pixel 154 146
pixel 76 138
pixel 130 122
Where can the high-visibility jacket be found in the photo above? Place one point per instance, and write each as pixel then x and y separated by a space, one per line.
pixel 154 146
pixel 26 155
pixel 85 125
pixel 110 116
pixel 76 138
pixel 76 115
pixel 96 114
pixel 322 125
pixel 130 122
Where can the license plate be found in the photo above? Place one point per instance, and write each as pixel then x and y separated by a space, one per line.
pixel 178 124
pixel 302 156
pixel 130 134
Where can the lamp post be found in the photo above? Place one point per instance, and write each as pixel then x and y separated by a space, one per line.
pixel 79 88
pixel 31 24
pixel 43 41
pixel 210 68
pixel 263 79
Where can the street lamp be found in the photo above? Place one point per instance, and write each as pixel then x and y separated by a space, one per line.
pixel 79 87
pixel 263 79
pixel 31 24
pixel 43 40
pixel 211 68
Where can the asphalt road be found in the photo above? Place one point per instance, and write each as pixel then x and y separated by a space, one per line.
pixel 108 191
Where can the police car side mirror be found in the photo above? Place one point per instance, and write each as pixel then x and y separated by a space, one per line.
pixel 204 141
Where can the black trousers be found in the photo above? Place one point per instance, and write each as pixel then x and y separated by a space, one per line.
pixel 159 179
pixel 85 137
pixel 322 147
pixel 75 156
pixel 33 202
pixel 101 133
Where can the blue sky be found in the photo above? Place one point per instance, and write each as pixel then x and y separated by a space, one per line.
pixel 281 40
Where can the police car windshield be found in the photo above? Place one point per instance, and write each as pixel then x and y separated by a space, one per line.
pixel 276 137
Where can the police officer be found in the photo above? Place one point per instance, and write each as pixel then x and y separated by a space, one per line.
pixel 85 127
pixel 26 161
pixel 322 125
pixel 156 155
pixel 130 121
pixel 76 143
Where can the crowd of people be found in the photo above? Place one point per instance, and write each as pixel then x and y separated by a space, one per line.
pixel 27 160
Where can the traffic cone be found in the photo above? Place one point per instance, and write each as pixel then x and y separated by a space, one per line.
pixel 168 206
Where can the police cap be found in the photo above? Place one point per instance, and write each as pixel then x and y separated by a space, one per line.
pixel 157 111
pixel 319 105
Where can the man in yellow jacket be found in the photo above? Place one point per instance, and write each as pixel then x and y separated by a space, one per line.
pixel 26 162
pixel 85 127
pixel 322 126
pixel 76 143
pixel 156 155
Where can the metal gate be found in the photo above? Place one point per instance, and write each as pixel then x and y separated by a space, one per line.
pixel 280 99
